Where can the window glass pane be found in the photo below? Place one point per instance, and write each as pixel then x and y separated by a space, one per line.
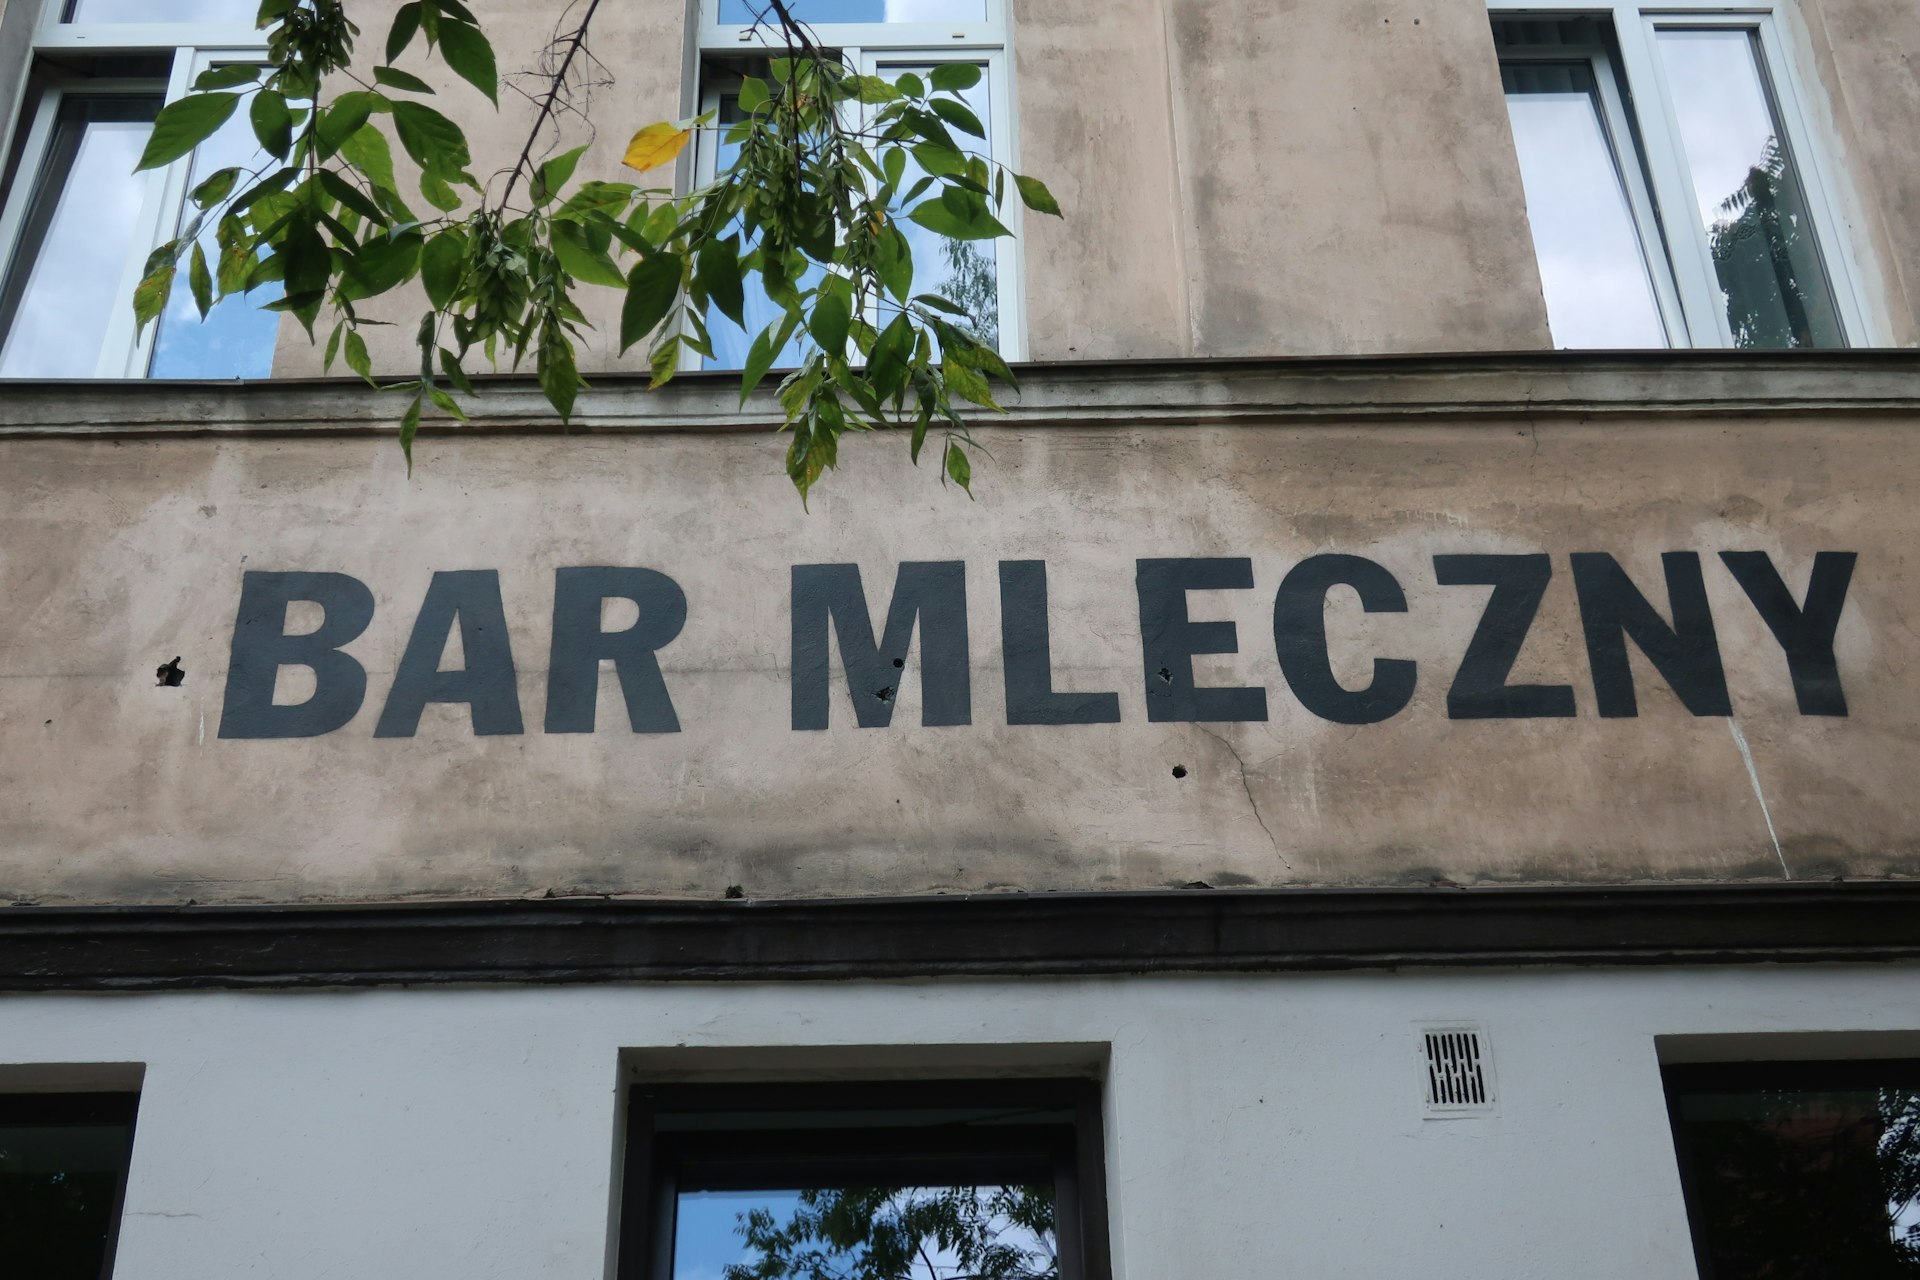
pixel 64 283
pixel 1750 198
pixel 745 12
pixel 730 341
pixel 59 1187
pixel 236 339
pixel 1593 267
pixel 1803 1182
pixel 899 1233
pixel 964 271
pixel 226 12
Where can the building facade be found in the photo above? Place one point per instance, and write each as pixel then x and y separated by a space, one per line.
pixel 1403 766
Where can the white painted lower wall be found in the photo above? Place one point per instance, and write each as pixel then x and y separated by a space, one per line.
pixel 1257 1126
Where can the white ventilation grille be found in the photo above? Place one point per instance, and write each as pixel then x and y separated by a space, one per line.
pixel 1459 1070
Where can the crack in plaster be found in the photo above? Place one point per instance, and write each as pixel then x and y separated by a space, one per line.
pixel 1247 787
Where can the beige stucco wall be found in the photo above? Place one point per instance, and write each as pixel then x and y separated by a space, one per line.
pixel 119 552
pixel 1313 177
pixel 1866 85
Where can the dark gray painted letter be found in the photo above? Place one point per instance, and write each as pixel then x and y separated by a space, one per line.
pixel 261 646
pixel 579 646
pixel 1805 631
pixel 1480 690
pixel 932 592
pixel 1026 652
pixel 1687 653
pixel 1300 638
pixel 1169 639
pixel 486 684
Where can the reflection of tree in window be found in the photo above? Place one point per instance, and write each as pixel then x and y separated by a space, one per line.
pixel 911 1233
pixel 1752 250
pixel 971 284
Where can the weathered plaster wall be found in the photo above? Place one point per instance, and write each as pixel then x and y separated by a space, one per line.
pixel 117 554
pixel 1254 1125
pixel 1866 83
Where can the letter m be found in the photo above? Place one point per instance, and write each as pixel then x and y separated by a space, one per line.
pixel 932 593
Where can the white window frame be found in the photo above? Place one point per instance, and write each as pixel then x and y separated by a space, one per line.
pixel 1685 253
pixel 865 46
pixel 193 47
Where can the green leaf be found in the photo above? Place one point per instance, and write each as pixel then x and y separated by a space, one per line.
pixel 832 313
pixel 446 403
pixel 409 426
pixel 965 382
pixel 436 143
pixel 394 78
pixel 356 355
pixel 215 188
pixel 957 115
pixel 272 123
pixel 470 55
pixel 581 259
pixel 382 263
pixel 554 173
pixel 893 162
pixel 344 117
pixel 333 346
pixel 718 269
pixel 150 298
pixel 1034 194
pixel 652 287
pixel 938 160
pixel 350 197
pixel 955 76
pixel 400 35
pixel 759 359
pixel 554 366
pixel 887 363
pixel 367 150
pixel 664 363
pixel 753 95
pixel 450 365
pixel 870 89
pixel 200 279
pixel 958 467
pixel 236 263
pixel 441 260
pixel 911 85
pixel 940 218
pixel 440 195
pixel 229 76
pixel 181 126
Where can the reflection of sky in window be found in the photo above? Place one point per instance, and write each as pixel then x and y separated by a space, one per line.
pixel 749 11
pixel 730 342
pixel 1591 264
pixel 238 12
pixel 1718 101
pixel 69 298
pixel 236 339
pixel 706 1238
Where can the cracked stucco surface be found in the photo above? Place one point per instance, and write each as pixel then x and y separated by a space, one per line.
pixel 116 555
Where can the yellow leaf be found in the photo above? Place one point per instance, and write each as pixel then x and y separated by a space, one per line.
pixel 654 145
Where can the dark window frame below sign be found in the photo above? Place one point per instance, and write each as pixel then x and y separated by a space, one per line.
pixel 665 1147
pixel 82 1109
pixel 1680 1080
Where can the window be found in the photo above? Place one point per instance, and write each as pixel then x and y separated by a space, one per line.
pixel 933 1180
pixel 77 223
pixel 63 1172
pixel 1673 190
pixel 1801 1170
pixel 886 38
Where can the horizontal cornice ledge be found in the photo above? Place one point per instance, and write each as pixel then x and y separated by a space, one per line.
pixel 1298 391
pixel 1006 934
